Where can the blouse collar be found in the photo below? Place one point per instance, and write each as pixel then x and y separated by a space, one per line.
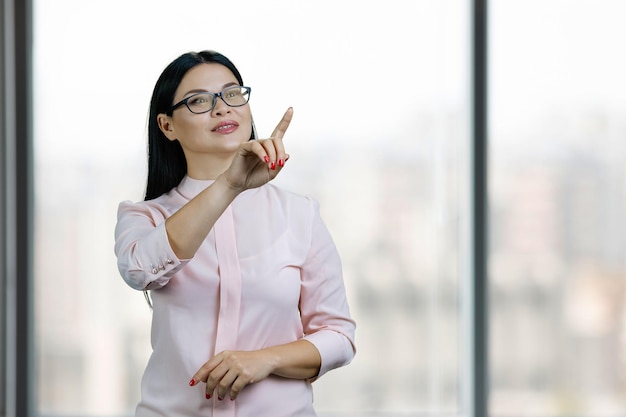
pixel 191 187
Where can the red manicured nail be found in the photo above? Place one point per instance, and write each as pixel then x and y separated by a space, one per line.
pixel 266 159
pixel 281 162
pixel 273 165
pixel 192 382
pixel 208 396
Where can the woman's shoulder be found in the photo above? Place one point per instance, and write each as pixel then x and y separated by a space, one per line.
pixel 284 196
pixel 158 208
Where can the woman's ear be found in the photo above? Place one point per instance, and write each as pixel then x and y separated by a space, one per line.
pixel 165 124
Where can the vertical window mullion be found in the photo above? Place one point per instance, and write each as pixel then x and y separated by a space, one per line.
pixel 16 208
pixel 4 30
pixel 480 285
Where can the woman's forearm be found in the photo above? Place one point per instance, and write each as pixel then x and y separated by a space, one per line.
pixel 295 360
pixel 189 226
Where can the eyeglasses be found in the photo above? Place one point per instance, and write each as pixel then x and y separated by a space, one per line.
pixel 234 96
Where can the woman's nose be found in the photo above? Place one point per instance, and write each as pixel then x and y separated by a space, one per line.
pixel 220 107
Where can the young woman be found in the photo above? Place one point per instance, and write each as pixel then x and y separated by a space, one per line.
pixel 249 305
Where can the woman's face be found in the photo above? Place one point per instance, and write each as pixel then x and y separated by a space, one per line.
pixel 218 131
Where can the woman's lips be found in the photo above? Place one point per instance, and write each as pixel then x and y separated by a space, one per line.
pixel 227 126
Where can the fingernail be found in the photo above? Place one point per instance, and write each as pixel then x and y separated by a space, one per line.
pixel 281 162
pixel 208 396
pixel 266 159
pixel 219 398
pixel 273 165
pixel 192 382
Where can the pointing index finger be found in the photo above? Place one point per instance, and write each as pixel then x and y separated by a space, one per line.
pixel 282 126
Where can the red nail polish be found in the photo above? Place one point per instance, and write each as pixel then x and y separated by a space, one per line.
pixel 266 159
pixel 281 162
pixel 273 165
pixel 208 396
pixel 192 382
pixel 219 398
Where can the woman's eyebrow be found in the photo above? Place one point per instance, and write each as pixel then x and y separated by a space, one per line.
pixel 195 91
pixel 201 90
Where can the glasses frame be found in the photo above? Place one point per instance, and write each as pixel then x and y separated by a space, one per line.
pixel 185 101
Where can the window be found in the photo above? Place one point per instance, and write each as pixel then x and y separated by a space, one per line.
pixel 379 137
pixel 558 213
pixel 391 176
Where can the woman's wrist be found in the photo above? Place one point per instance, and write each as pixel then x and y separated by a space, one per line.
pixel 229 189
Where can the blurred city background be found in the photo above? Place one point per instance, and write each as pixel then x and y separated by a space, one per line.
pixel 381 137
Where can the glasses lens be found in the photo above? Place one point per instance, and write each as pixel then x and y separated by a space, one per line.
pixel 236 96
pixel 200 103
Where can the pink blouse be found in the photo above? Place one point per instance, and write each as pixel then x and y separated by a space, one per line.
pixel 268 273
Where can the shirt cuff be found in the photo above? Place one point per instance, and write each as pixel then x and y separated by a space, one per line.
pixel 156 261
pixel 335 349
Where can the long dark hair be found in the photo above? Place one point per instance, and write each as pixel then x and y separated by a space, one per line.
pixel 166 161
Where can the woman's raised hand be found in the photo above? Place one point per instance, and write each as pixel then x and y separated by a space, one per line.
pixel 259 161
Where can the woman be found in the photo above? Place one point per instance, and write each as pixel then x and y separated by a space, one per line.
pixel 246 284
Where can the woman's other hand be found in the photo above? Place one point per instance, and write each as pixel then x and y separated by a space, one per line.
pixel 230 371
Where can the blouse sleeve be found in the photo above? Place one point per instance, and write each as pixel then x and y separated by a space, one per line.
pixel 145 258
pixel 323 304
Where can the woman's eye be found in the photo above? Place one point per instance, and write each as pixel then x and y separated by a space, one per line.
pixel 198 100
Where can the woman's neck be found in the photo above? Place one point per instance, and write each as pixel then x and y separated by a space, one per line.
pixel 207 166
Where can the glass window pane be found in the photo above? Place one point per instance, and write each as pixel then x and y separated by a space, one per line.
pixel 558 193
pixel 379 137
